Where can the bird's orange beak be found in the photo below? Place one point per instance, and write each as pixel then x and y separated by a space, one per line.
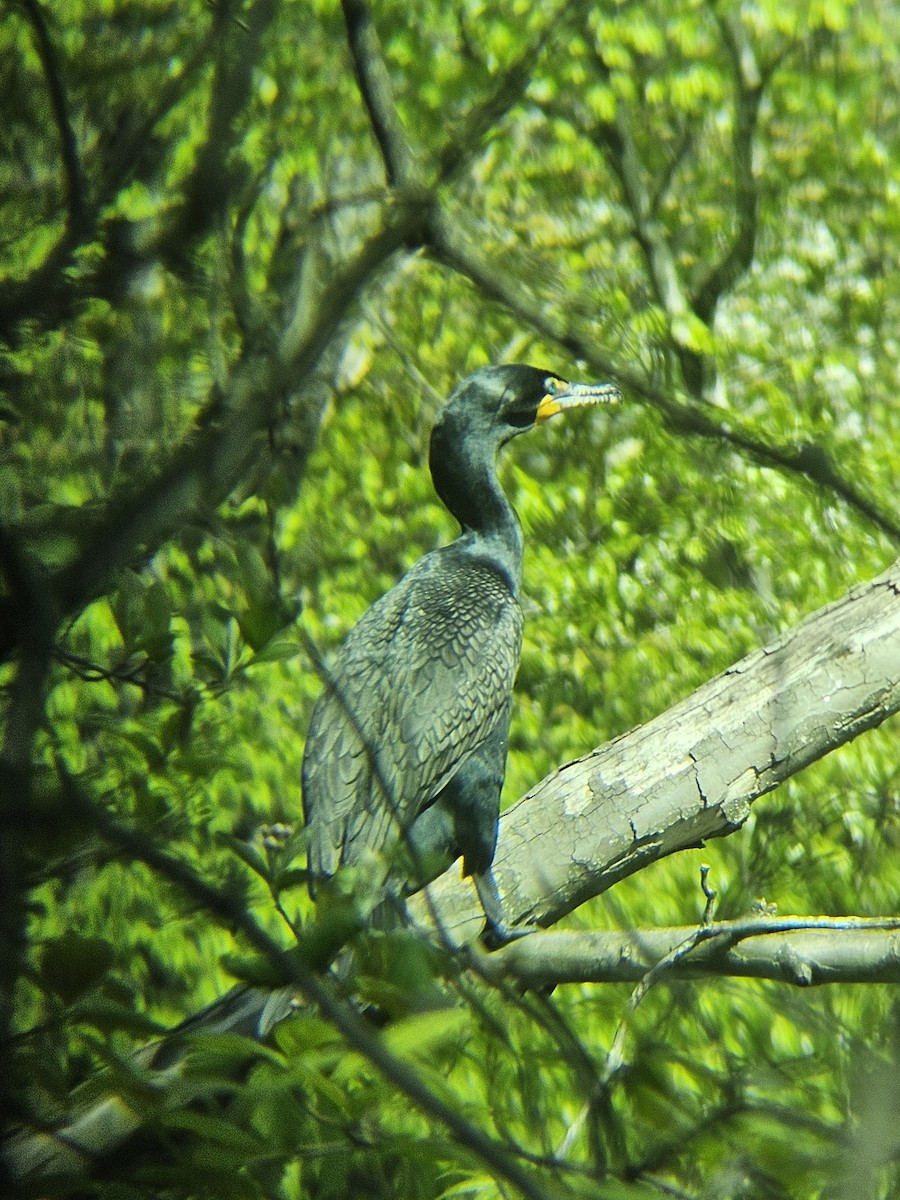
pixel 576 395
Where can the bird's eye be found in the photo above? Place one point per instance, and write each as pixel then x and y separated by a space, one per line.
pixel 552 385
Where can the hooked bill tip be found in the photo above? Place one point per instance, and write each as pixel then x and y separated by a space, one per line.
pixel 588 393
pixel 577 395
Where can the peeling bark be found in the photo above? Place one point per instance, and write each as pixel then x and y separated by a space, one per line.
pixel 692 772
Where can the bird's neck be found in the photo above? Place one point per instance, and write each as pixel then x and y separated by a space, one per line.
pixel 465 479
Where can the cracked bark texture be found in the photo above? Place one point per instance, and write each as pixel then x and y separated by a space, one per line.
pixel 692 772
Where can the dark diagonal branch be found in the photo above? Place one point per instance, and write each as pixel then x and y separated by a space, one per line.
pixel 458 252
pixel 466 138
pixel 377 92
pixel 202 472
pixel 205 470
pixel 674 159
pixel 318 991
pixel 450 245
pixel 808 460
pixel 615 140
pixel 129 155
pixel 207 190
pixel 748 91
pixel 76 190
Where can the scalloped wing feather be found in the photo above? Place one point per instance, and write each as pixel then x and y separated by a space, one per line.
pixel 420 682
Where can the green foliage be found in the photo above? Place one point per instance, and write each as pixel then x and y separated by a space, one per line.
pixel 179 185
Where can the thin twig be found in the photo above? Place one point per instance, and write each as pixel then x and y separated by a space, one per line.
pixel 748 91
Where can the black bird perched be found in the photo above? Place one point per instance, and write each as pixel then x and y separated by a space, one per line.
pixel 407 744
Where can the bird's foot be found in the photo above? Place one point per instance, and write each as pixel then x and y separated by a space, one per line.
pixel 497 932
pixel 495 935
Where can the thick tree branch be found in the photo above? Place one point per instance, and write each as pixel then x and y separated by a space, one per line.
pixel 38 292
pixel 803 951
pixel 378 95
pixel 694 771
pixel 76 190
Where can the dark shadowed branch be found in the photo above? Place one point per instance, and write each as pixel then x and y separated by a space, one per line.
pixel 76 188
pixel 375 87
pixel 24 714
pixel 452 246
pixel 50 291
pixel 748 92
pixel 467 138
pixel 201 472
pixel 206 191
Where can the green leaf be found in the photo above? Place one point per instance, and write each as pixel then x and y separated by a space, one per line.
pixel 251 854
pixel 282 646
pixel 72 964
pixel 252 968
pixel 692 333
pixel 419 1035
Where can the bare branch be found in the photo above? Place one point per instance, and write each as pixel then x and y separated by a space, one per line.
pixel 450 245
pixel 803 951
pixel 693 772
pixel 378 95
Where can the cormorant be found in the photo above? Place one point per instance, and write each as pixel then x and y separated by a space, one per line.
pixel 406 746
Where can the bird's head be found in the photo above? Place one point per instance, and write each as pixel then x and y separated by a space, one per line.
pixel 501 402
pixel 487 409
